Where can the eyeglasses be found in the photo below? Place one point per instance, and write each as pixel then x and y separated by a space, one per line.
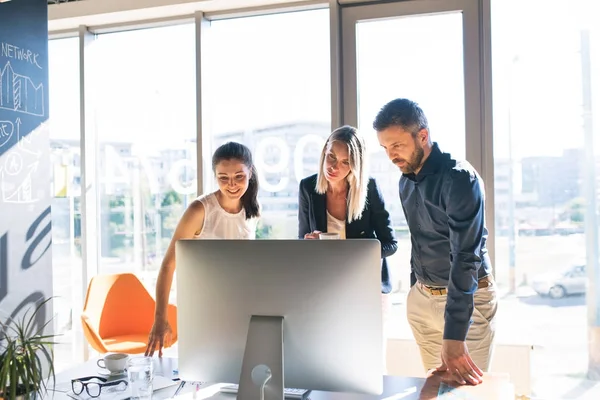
pixel 94 388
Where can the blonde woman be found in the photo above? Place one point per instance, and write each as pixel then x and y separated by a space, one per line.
pixel 342 198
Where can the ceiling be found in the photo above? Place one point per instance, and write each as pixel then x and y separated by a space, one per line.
pixel 67 16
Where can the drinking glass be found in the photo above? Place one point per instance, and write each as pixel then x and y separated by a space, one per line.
pixel 141 373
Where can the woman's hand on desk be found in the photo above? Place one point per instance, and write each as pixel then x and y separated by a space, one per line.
pixel 161 336
pixel 312 235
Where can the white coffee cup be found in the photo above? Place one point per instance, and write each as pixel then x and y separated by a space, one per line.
pixel 329 235
pixel 114 362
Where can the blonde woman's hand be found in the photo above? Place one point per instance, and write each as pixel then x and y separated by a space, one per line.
pixel 161 336
pixel 312 235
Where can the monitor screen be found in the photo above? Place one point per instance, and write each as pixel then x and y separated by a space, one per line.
pixel 328 294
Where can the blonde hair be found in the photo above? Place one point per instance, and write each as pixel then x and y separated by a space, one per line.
pixel 357 177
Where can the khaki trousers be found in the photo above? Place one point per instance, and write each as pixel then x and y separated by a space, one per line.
pixel 425 313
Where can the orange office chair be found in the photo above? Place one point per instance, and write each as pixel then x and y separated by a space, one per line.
pixel 118 314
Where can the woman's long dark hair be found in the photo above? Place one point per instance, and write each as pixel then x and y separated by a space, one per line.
pixel 237 151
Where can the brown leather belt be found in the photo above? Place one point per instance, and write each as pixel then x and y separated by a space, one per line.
pixel 484 282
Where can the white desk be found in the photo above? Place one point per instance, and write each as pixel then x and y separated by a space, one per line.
pixel 165 367
pixel 395 387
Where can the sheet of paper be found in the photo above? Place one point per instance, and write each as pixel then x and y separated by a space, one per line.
pixel 204 391
pixel 62 387
pixel 159 382
pixel 494 387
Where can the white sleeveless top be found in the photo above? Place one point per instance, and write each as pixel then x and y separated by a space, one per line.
pixel 335 225
pixel 220 224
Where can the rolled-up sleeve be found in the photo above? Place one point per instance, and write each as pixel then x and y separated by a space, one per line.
pixel 466 222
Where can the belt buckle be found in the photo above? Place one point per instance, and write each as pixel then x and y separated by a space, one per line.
pixel 434 291
pixel 438 291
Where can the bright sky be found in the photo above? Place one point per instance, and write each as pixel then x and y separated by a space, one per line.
pixel 267 70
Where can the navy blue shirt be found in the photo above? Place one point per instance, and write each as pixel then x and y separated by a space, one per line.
pixel 444 205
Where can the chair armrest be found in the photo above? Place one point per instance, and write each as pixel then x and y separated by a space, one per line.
pixel 92 336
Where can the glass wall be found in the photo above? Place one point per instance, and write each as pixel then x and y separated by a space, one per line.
pixel 272 93
pixel 146 127
pixel 544 183
pixel 266 83
pixel 65 189
pixel 436 82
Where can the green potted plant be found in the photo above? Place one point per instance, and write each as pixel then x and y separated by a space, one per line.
pixel 25 353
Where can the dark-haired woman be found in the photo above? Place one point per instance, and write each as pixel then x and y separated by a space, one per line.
pixel 231 212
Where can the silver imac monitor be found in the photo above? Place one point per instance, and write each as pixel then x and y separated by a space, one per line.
pixel 307 313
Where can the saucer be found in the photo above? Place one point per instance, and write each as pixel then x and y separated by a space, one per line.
pixel 107 373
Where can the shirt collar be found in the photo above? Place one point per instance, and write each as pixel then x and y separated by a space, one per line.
pixel 431 165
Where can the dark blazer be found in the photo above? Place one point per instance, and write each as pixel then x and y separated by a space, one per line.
pixel 375 222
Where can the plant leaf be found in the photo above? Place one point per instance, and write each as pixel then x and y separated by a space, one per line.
pixel 39 332
pixel 31 320
pixel 13 381
pixel 5 369
pixel 48 357
pixel 24 351
pixel 23 376
pixel 41 387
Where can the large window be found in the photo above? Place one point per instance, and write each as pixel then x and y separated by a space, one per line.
pixel 436 82
pixel 546 72
pixel 268 86
pixel 65 192
pixel 146 127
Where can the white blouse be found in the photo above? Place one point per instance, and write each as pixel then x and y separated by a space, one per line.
pixel 335 225
pixel 220 224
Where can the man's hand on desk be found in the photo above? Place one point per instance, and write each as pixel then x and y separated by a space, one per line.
pixel 161 336
pixel 458 364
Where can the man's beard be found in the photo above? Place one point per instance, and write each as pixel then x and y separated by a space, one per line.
pixel 415 162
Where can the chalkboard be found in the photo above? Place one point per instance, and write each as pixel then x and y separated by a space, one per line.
pixel 25 218
pixel 23 69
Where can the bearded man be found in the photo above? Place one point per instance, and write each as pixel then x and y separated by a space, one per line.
pixel 452 302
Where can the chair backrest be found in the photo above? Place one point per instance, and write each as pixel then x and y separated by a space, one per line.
pixel 119 304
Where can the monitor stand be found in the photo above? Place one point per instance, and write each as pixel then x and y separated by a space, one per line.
pixel 262 367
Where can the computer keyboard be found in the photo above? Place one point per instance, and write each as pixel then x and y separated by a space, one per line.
pixel 289 393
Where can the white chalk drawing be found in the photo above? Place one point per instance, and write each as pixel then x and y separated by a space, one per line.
pixel 19 53
pixel 25 140
pixel 16 171
pixel 22 193
pixel 13 164
pixel 19 93
pixel 7 129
